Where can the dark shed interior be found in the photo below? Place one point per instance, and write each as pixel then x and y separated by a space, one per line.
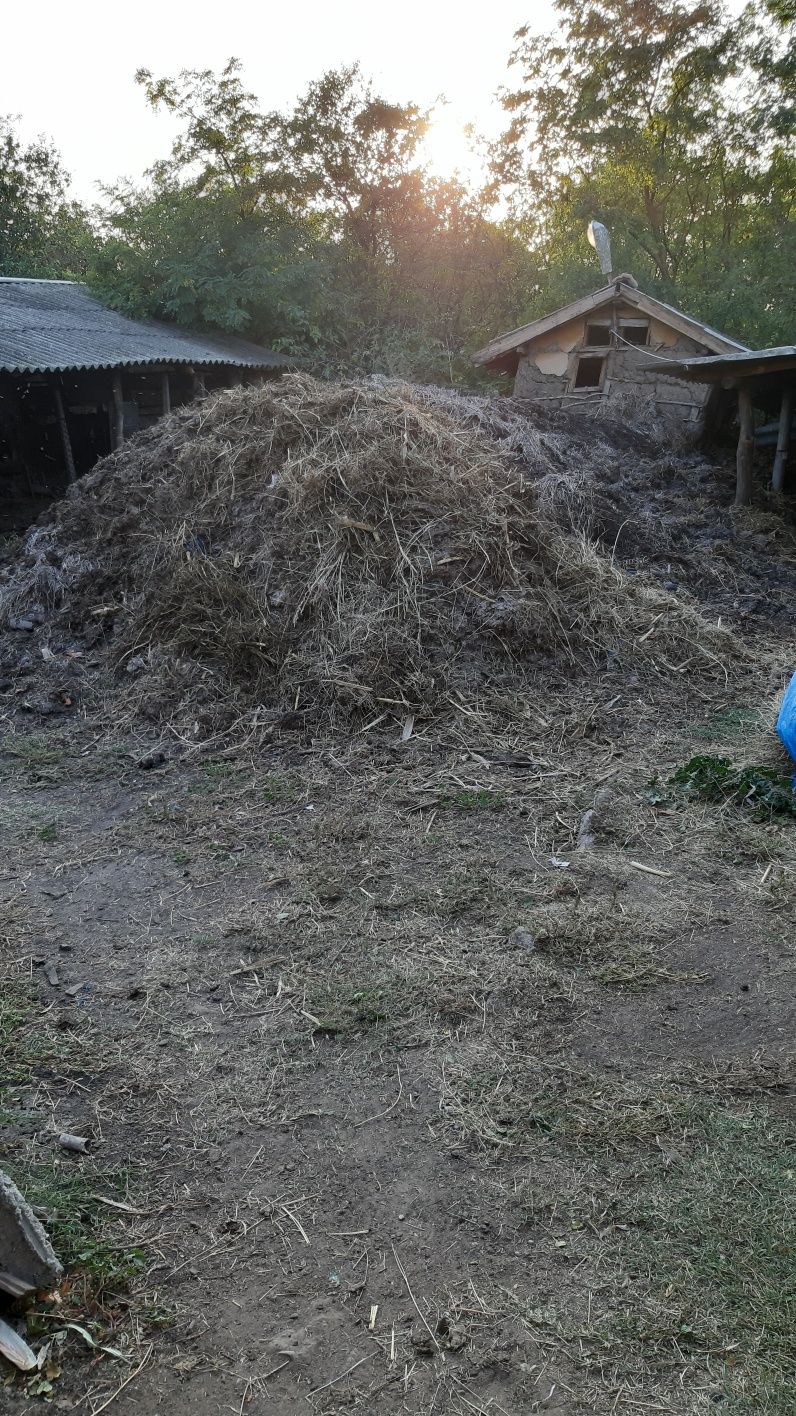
pixel 76 379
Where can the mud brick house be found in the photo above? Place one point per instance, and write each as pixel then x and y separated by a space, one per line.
pixel 607 344
pixel 77 378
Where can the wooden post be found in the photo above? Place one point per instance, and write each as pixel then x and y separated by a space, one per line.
pixel 783 439
pixel 746 447
pixel 62 423
pixel 118 406
pixel 199 387
pixel 164 384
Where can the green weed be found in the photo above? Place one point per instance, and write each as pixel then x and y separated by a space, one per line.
pixel 763 789
pixel 476 799
pixel 275 789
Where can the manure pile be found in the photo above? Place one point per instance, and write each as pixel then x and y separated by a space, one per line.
pixel 327 549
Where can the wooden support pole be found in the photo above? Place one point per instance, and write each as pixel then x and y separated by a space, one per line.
pixel 166 391
pixel 64 427
pixel 118 407
pixel 746 447
pixel 199 386
pixel 783 439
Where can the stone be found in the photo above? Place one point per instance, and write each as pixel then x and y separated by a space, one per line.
pixel 522 938
pixel 27 1260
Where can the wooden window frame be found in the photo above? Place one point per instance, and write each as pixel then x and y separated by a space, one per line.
pixel 574 387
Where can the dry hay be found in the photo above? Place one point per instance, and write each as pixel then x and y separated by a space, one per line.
pixel 335 547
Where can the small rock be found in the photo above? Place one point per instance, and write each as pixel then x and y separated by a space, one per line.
pixel 152 759
pixel 456 1339
pixel 21 623
pixel 422 1341
pixel 522 938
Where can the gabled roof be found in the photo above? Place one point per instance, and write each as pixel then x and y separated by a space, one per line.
pixel 507 344
pixel 48 325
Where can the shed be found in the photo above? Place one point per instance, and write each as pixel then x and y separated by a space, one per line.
pixel 76 378
pixel 764 379
pixel 605 344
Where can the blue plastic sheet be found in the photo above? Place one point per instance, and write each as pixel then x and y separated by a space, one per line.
pixel 786 722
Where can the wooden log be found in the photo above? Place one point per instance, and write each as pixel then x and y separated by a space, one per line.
pixel 746 447
pixel 166 391
pixel 118 411
pixel 64 427
pixel 783 439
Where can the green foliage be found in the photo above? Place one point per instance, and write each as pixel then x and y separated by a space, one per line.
pixel 763 789
pixel 316 231
pixel 667 121
pixel 41 233
pixel 172 253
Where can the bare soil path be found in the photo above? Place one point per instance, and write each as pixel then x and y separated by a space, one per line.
pixel 396 1099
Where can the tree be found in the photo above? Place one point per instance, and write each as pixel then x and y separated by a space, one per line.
pixel 173 253
pixel 42 233
pixel 664 119
pixel 352 154
pixel 226 144
pixel 628 107
pixel 316 230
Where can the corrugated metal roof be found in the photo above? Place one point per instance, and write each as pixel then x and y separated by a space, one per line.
pixel 47 325
pixel 708 367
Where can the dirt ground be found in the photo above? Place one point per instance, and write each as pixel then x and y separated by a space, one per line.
pixel 376 1073
pixel 449 1072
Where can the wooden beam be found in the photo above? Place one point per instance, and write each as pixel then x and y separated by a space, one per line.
pixel 199 385
pixel 166 391
pixel 118 407
pixel 64 427
pixel 783 439
pixel 746 447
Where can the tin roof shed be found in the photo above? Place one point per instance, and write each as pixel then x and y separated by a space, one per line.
pixel 55 325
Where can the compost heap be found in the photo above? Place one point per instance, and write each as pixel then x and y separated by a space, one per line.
pixel 326 549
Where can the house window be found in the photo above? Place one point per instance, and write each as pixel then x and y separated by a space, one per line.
pixel 589 371
pixel 634 331
pixel 598 334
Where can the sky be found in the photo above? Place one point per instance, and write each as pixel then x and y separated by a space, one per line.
pixel 67 70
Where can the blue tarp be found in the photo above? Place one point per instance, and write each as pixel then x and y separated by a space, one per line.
pixel 786 722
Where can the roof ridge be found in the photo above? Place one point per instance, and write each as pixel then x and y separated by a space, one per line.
pixel 37 280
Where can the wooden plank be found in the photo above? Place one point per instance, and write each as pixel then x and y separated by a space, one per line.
pixel 746 447
pixel 783 439
pixel 166 392
pixel 684 324
pixel 65 440
pixel 118 411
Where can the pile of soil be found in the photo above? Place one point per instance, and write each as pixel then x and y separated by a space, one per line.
pixel 325 549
